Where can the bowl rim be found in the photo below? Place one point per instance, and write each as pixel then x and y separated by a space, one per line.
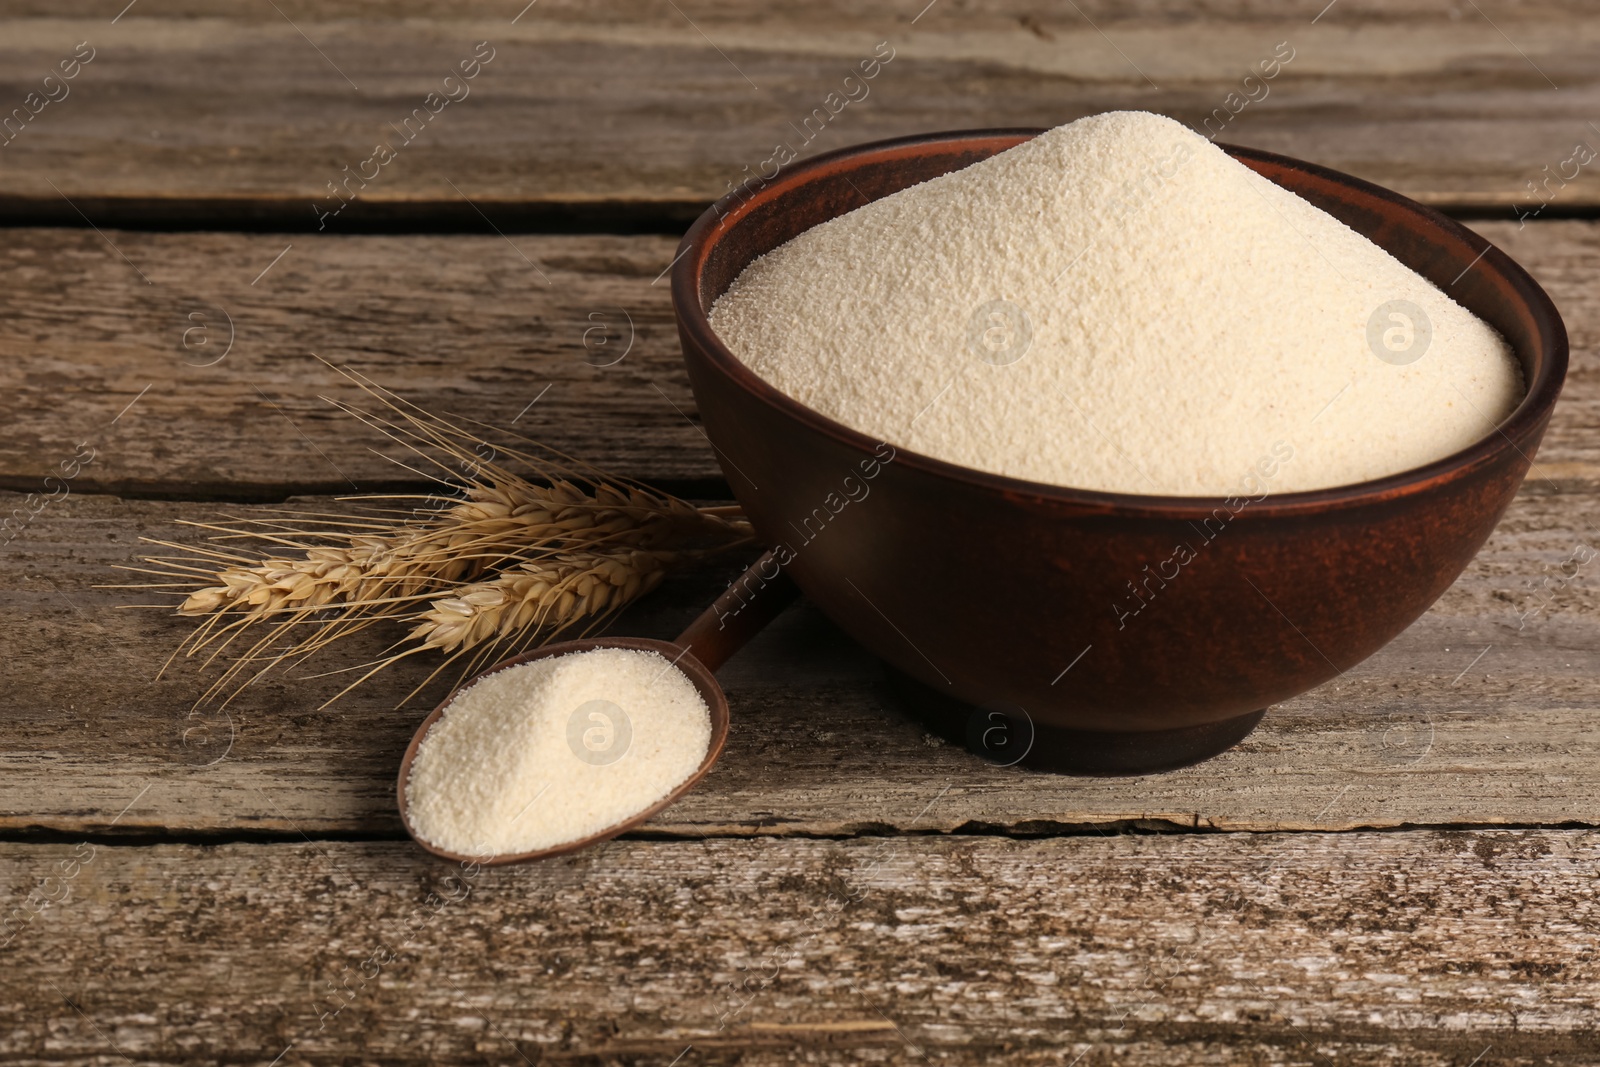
pixel 1524 420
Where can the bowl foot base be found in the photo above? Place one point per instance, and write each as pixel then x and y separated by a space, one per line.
pixel 1008 736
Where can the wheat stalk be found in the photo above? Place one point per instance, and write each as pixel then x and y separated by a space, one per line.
pixel 497 523
pixel 540 596
pixel 513 559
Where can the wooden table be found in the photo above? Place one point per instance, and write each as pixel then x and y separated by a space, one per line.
pixel 1399 867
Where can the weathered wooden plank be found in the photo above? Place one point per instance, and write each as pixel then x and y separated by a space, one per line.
pixel 201 109
pixel 462 324
pixel 144 372
pixel 1483 713
pixel 1422 948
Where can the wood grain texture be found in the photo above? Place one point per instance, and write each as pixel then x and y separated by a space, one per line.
pixel 457 324
pixel 1483 713
pixel 462 325
pixel 195 887
pixel 202 109
pixel 1416 948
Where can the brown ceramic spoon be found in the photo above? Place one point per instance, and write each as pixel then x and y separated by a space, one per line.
pixel 736 616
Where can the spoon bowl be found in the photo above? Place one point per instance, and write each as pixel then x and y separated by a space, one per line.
pixel 704 681
pixel 751 601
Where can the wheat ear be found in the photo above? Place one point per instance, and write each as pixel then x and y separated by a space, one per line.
pixel 513 557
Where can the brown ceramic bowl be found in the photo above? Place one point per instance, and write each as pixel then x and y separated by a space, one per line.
pixel 993 593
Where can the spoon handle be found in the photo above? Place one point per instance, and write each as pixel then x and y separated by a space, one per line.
pixel 753 599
